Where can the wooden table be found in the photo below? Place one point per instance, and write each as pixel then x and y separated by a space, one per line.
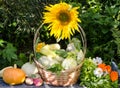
pixel 4 85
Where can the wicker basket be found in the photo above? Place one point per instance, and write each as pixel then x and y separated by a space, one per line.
pixel 65 78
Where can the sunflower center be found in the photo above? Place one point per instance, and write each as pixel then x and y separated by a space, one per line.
pixel 64 17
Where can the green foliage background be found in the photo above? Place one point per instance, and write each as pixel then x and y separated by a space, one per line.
pixel 19 20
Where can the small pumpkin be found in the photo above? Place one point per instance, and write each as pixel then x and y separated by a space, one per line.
pixel 1 71
pixel 13 76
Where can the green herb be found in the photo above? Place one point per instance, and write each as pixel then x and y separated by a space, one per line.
pixel 56 68
pixel 89 80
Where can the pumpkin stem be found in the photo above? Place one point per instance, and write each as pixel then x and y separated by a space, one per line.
pixel 15 66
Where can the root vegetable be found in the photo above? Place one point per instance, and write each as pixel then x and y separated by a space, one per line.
pixel 37 81
pixel 29 81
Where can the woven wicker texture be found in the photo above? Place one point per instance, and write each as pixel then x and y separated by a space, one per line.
pixel 65 78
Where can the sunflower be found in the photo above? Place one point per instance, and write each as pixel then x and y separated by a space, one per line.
pixel 62 19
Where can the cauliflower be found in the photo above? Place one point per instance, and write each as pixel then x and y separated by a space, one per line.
pixel 69 63
pixel 70 47
pixel 80 56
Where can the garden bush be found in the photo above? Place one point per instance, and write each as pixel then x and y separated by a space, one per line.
pixel 19 20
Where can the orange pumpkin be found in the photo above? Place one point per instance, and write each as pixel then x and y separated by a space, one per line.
pixel 13 76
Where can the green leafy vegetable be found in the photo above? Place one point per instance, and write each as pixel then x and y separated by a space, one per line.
pixel 89 80
pixel 61 52
pixel 56 68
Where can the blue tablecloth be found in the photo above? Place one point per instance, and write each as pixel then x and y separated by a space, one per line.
pixel 4 85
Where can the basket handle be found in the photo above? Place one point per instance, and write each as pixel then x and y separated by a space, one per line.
pixel 84 40
pixel 35 38
pixel 34 42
